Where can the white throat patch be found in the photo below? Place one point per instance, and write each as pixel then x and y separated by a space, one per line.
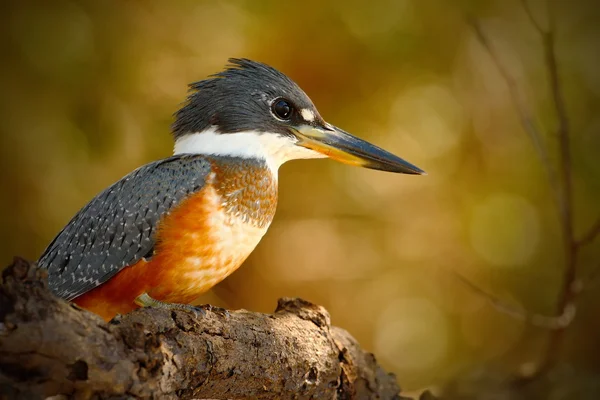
pixel 272 148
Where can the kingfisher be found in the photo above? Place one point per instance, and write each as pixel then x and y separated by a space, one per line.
pixel 172 229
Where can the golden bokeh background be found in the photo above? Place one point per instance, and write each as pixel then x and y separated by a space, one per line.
pixel 89 87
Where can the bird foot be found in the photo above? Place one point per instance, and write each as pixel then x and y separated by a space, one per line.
pixel 144 300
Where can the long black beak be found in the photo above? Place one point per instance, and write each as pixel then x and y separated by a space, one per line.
pixel 342 146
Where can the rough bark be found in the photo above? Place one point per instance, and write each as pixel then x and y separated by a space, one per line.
pixel 50 347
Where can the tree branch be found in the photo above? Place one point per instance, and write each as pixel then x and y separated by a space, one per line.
pixel 562 185
pixel 51 347
pixel 520 105
pixel 538 320
pixel 568 292
pixel 532 19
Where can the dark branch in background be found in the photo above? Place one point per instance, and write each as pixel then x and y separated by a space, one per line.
pixel 561 185
pixel 532 18
pixel 50 347
pixel 568 292
pixel 522 108
pixel 538 320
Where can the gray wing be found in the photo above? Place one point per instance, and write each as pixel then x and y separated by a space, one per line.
pixel 117 227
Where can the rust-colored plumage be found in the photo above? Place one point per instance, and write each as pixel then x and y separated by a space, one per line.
pixel 199 243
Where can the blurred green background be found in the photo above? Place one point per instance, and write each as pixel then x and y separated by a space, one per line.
pixel 89 87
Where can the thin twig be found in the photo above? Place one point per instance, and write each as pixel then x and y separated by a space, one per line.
pixel 562 184
pixel 538 320
pixel 591 235
pixel 532 19
pixel 525 114
pixel 568 292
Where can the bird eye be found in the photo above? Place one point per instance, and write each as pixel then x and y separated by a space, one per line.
pixel 282 109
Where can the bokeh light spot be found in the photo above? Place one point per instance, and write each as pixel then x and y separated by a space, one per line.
pixel 53 39
pixel 431 113
pixel 505 230
pixel 412 334
pixel 370 23
pixel 478 326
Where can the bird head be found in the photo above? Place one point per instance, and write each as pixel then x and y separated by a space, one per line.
pixel 251 110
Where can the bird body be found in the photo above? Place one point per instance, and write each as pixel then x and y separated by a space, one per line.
pixel 200 240
pixel 174 228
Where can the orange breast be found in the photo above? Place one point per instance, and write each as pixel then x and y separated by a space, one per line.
pixel 198 244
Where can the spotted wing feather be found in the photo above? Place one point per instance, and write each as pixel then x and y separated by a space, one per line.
pixel 117 228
